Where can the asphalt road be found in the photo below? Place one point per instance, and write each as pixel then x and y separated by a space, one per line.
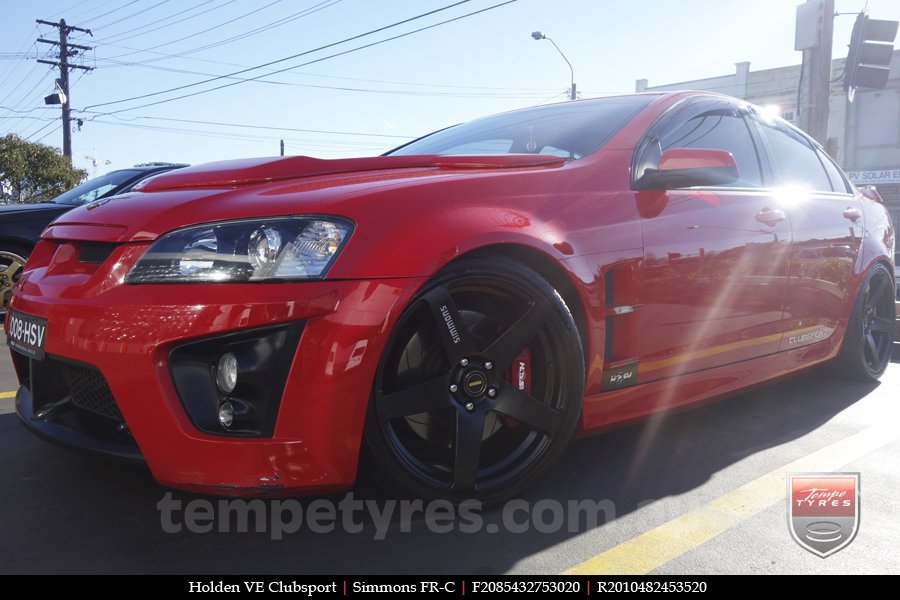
pixel 699 492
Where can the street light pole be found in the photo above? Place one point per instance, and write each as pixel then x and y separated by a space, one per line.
pixel 540 36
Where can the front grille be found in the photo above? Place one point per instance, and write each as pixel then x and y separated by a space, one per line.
pixel 71 402
pixel 94 252
pixel 89 392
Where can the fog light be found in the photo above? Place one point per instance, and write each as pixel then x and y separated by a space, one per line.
pixel 226 414
pixel 227 373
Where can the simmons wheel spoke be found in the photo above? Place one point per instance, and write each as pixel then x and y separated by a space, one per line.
pixel 512 341
pixel 455 336
pixel 876 291
pixel 872 349
pixel 467 449
pixel 882 325
pixel 523 407
pixel 420 398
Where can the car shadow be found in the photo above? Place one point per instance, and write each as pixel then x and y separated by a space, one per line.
pixel 68 513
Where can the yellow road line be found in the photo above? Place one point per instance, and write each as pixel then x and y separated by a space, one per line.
pixel 7 394
pixel 670 540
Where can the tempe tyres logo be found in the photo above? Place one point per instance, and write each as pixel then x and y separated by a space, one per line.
pixel 823 510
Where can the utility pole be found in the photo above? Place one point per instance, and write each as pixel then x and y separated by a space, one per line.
pixel 66 50
pixel 815 29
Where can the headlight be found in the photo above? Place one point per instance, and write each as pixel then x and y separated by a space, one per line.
pixel 235 251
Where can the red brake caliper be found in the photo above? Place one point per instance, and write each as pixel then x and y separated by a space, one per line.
pixel 519 375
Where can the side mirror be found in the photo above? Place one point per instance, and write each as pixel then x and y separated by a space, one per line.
pixel 689 167
pixel 871 193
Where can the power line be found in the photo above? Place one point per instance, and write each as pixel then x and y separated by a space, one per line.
pixel 54 130
pixel 111 63
pixel 28 41
pixel 82 16
pixel 40 130
pixel 359 145
pixel 132 33
pixel 82 3
pixel 14 89
pixel 273 25
pixel 22 110
pixel 280 60
pixel 132 15
pixel 246 126
pixel 29 92
pixel 308 62
pixel 497 93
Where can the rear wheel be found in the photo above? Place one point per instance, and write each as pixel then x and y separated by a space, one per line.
pixel 869 340
pixel 479 388
pixel 11 263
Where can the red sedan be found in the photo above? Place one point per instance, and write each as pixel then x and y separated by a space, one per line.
pixel 459 308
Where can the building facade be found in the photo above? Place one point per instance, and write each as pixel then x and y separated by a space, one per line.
pixel 863 135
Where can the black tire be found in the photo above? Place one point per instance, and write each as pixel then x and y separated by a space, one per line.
pixel 447 416
pixel 869 340
pixel 11 262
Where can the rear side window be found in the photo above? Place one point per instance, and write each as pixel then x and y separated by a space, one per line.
pixel 796 159
pixel 838 181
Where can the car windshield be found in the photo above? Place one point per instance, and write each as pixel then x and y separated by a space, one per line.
pixel 570 130
pixel 96 188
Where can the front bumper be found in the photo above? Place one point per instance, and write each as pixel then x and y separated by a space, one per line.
pixel 127 334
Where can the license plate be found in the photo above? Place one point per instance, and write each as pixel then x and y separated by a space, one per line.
pixel 26 334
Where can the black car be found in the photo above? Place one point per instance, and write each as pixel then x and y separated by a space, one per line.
pixel 21 224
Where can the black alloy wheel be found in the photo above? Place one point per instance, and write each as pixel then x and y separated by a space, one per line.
pixel 869 340
pixel 479 388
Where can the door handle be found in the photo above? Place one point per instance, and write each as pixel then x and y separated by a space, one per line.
pixel 854 214
pixel 770 216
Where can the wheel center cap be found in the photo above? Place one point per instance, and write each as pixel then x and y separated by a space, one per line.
pixel 474 384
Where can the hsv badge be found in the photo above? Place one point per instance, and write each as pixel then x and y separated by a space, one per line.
pixel 823 510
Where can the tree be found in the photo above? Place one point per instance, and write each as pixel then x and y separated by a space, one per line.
pixel 32 172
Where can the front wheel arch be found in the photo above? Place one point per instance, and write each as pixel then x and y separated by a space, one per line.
pixel 547 268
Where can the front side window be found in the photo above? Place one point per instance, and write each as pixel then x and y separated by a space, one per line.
pixel 719 129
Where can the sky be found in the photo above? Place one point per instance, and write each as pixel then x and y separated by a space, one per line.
pixel 195 81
